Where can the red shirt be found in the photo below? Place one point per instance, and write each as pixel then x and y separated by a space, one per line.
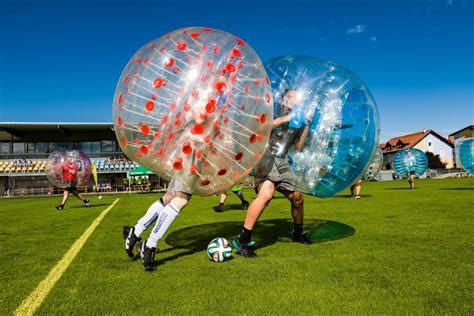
pixel 67 167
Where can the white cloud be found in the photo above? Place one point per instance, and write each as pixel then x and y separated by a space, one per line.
pixel 359 28
pixel 373 39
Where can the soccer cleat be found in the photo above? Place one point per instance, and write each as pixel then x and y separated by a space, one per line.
pixel 87 203
pixel 302 238
pixel 148 256
pixel 59 207
pixel 245 250
pixel 245 205
pixel 219 208
pixel 130 240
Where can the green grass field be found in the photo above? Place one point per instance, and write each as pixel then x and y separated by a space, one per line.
pixel 398 251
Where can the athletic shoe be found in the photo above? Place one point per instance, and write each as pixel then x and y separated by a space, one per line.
pixel 243 249
pixel 245 205
pixel 357 197
pixel 59 207
pixel 130 240
pixel 219 208
pixel 148 256
pixel 302 238
pixel 87 203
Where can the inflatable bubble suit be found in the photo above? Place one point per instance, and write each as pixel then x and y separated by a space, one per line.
pixel 60 164
pixel 375 165
pixel 326 123
pixel 195 105
pixel 465 153
pixel 410 160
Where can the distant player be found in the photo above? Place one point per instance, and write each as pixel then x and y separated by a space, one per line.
pixel 70 177
pixel 356 188
pixel 237 191
pixel 411 170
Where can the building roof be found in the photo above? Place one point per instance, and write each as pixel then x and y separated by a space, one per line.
pixel 409 141
pixel 56 131
pixel 470 127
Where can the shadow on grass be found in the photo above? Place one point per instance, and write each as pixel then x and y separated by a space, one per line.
pixel 230 207
pixel 90 206
pixel 196 238
pixel 350 196
pixel 407 188
pixel 455 189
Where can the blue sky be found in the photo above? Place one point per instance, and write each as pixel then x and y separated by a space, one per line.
pixel 60 60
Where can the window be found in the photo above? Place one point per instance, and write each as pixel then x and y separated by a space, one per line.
pixel 95 147
pixel 41 148
pixel 31 148
pixel 56 146
pixel 84 146
pixel 19 148
pixel 108 145
pixel 4 148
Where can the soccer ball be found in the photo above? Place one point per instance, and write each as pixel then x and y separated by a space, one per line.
pixel 219 250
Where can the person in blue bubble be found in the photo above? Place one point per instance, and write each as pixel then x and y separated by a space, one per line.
pixel 411 162
pixel 276 174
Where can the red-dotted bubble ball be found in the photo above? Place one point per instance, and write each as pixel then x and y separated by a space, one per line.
pixel 68 169
pixel 186 107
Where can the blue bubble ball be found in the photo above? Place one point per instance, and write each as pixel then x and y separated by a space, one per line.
pixel 326 123
pixel 465 153
pixel 410 160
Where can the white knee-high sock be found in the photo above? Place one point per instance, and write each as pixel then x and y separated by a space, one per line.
pixel 164 221
pixel 150 216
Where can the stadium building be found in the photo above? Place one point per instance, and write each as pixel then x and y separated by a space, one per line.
pixel 25 147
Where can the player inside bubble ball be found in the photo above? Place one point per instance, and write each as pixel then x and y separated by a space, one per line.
pixel 165 211
pixel 70 169
pixel 411 162
pixel 277 176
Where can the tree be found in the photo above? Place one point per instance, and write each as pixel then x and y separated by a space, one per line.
pixel 434 162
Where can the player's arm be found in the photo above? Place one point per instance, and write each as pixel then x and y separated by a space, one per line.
pixel 301 140
pixel 282 120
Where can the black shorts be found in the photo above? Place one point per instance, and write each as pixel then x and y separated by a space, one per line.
pixel 412 173
pixel 71 186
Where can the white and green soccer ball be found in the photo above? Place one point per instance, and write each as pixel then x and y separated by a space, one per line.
pixel 219 250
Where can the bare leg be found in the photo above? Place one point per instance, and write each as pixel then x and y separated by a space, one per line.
pixel 65 197
pixel 78 195
pixel 223 198
pixel 357 189
pixel 220 208
pixel 297 206
pixel 265 194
